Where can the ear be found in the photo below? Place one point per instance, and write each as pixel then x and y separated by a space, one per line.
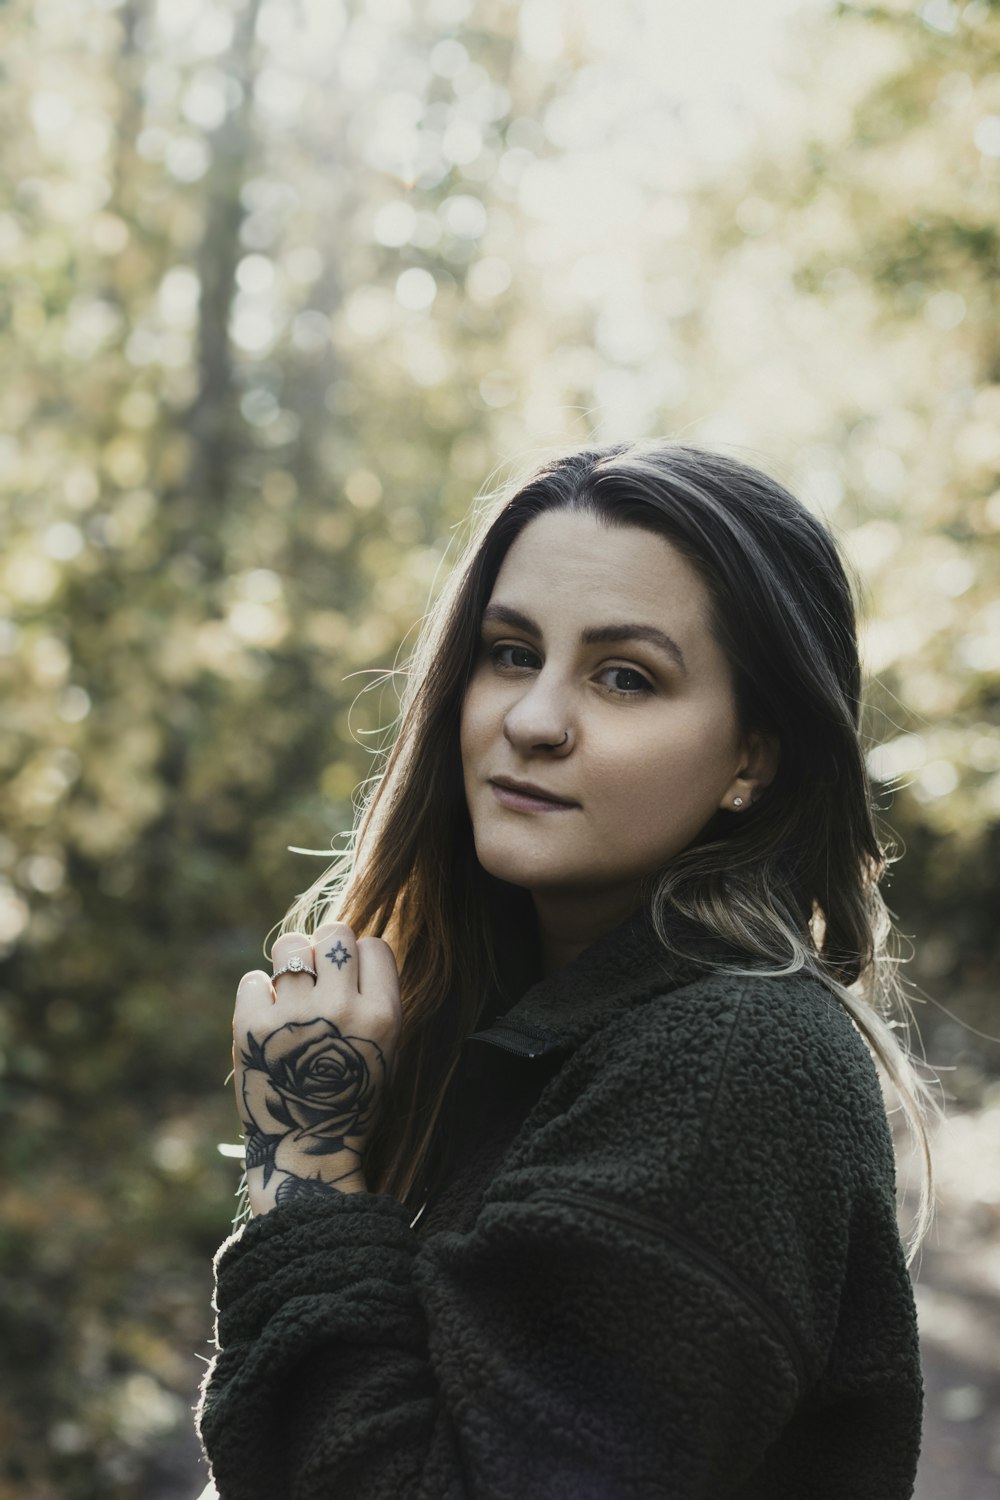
pixel 760 755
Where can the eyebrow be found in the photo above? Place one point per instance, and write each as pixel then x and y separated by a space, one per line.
pixel 503 614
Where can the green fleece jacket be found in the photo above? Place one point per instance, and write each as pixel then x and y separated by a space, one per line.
pixel 662 1260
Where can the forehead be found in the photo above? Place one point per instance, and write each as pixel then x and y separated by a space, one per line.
pixel 571 561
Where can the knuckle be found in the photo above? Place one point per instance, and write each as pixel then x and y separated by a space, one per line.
pixel 379 946
pixel 331 929
pixel 247 986
pixel 289 943
pixel 251 975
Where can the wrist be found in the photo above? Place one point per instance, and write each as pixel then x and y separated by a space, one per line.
pixel 290 1187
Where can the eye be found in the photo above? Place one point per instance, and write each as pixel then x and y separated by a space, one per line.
pixel 495 651
pixel 637 692
pixel 642 685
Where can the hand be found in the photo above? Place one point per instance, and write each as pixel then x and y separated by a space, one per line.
pixel 311 1059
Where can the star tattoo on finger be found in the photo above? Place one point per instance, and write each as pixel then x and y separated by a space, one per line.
pixel 338 954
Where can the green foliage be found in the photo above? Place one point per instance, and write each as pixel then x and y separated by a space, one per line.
pixel 281 285
pixel 892 223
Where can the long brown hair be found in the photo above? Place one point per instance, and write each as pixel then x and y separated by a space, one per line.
pixel 793 883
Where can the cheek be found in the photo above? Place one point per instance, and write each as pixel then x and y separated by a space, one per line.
pixel 471 724
pixel 672 778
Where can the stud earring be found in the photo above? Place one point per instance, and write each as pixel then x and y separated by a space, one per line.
pixel 737 801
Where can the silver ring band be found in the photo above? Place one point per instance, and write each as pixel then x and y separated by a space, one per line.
pixel 295 966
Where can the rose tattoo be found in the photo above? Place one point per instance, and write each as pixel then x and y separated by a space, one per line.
pixel 305 1090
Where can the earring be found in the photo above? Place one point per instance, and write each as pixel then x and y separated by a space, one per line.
pixel 737 801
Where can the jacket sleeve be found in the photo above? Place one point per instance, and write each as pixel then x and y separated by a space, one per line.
pixel 598 1333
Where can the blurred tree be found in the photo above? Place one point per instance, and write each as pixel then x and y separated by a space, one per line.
pixel 878 229
pixel 236 416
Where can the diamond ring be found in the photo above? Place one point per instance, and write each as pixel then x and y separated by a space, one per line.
pixel 295 966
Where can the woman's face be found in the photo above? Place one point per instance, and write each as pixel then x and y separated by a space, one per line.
pixel 654 745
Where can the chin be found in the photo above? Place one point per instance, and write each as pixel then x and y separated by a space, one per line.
pixel 515 867
pixel 536 875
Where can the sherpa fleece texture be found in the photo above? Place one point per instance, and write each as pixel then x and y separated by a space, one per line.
pixel 664 1265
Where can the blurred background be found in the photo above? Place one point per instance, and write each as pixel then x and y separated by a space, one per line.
pixel 283 285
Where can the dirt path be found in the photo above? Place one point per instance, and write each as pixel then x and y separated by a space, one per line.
pixel 957 1284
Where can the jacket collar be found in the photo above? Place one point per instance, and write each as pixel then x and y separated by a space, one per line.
pixel 622 968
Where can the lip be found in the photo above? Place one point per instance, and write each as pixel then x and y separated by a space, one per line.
pixel 527 796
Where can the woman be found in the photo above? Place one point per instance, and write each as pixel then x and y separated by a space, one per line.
pixel 568 1164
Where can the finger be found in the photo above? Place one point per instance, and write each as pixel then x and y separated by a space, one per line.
pixel 254 1001
pixel 287 947
pixel 361 970
pixel 379 977
pixel 367 964
pixel 336 951
pixel 252 1014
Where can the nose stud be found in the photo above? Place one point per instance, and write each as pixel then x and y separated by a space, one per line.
pixel 737 801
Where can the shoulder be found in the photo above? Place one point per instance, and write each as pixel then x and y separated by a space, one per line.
pixel 793 1036
pixel 744 1094
pixel 797 1092
pixel 766 1056
pixel 793 1019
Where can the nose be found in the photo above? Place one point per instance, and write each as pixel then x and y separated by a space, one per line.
pixel 539 718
